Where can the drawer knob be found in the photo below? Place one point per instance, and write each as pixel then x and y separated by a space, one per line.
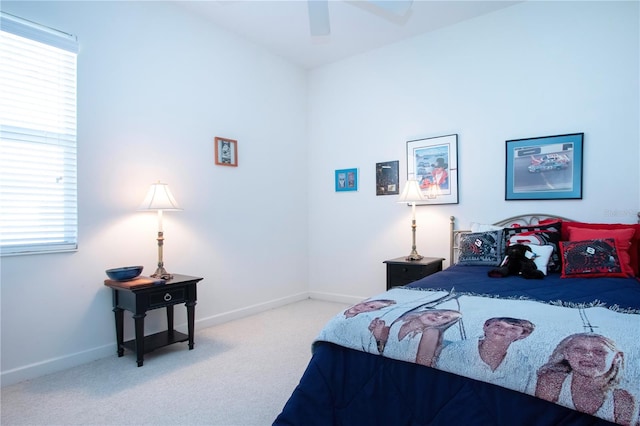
pixel 167 297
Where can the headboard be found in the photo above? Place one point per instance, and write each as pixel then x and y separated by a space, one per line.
pixel 521 220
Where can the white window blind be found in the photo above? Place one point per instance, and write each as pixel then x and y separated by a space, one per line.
pixel 38 184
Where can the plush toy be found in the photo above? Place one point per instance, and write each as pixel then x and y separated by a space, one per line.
pixel 518 261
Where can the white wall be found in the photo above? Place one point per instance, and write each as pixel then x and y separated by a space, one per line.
pixel 534 69
pixel 155 86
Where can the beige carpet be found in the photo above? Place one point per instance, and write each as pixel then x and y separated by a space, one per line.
pixel 239 373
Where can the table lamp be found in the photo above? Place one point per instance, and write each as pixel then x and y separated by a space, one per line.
pixel 412 194
pixel 159 198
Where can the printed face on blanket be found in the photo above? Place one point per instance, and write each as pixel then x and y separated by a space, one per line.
pixel 490 358
pixel 584 371
pixel 506 329
pixel 425 324
pixel 499 334
pixel 367 306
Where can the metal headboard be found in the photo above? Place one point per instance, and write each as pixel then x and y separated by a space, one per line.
pixel 454 240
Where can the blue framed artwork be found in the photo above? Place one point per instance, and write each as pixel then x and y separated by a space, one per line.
pixel 346 180
pixel 544 168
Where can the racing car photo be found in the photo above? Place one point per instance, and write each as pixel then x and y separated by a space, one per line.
pixel 549 162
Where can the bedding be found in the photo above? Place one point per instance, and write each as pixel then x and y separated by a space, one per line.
pixel 592 258
pixel 634 249
pixel 622 236
pixel 481 248
pixel 542 255
pixel 458 347
pixel 544 233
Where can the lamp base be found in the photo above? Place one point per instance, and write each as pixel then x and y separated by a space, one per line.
pixel 414 256
pixel 161 273
pixel 414 253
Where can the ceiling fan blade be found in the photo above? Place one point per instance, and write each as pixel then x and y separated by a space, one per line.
pixel 397 11
pixel 397 7
pixel 319 17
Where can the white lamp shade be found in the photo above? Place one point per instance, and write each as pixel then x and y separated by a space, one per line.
pixel 411 192
pixel 159 197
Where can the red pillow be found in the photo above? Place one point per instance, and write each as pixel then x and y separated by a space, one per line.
pixel 634 251
pixel 622 236
pixel 591 259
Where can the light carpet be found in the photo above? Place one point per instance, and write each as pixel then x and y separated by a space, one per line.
pixel 239 373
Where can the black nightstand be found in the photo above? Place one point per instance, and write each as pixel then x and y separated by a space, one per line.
pixel 179 289
pixel 401 271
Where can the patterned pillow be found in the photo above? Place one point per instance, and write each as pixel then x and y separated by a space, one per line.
pixel 634 250
pixel 591 258
pixel 481 248
pixel 545 234
pixel 622 236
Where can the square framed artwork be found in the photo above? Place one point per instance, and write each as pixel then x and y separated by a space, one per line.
pixel 544 168
pixel 226 152
pixel 433 162
pixel 346 180
pixel 387 177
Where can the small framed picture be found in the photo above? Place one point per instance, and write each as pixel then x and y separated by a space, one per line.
pixel 226 152
pixel 346 180
pixel 544 168
pixel 387 177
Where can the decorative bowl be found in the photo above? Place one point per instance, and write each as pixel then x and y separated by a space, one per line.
pixel 125 273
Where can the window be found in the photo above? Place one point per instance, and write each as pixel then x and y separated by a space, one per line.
pixel 38 185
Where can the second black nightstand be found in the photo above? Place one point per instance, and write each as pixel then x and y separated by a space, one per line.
pixel 401 271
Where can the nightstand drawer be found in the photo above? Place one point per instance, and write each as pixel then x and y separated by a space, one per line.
pixel 406 274
pixel 166 298
pixel 402 272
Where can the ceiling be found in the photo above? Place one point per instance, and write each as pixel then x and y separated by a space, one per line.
pixel 282 26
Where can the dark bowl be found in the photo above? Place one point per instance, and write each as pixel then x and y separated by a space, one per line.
pixel 125 273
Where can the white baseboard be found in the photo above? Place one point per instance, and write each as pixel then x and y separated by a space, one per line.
pixel 335 297
pixel 250 310
pixel 53 365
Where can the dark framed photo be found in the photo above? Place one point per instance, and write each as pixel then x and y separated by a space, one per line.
pixel 346 180
pixel 433 162
pixel 226 152
pixel 387 177
pixel 544 168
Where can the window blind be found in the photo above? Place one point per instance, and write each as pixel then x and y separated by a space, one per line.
pixel 38 182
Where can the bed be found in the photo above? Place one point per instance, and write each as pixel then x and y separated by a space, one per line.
pixel 461 347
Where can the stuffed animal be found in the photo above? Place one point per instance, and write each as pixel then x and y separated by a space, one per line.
pixel 518 261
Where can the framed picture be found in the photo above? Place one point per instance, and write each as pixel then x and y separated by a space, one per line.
pixel 346 180
pixel 433 162
pixel 544 168
pixel 387 177
pixel 226 152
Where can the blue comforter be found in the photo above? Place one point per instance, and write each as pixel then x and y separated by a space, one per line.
pixel 343 385
pixel 473 279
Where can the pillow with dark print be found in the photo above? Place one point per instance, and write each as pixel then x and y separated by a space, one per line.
pixel 591 258
pixel 622 236
pixel 634 250
pixel 481 248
